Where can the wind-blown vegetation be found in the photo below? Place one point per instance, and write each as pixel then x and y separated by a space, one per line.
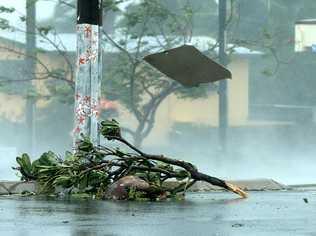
pixel 94 169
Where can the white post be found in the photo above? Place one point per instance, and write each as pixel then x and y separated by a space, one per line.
pixel 89 70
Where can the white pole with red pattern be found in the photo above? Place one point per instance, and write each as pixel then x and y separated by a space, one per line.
pixel 89 70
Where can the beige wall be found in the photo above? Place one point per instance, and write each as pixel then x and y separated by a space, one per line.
pixel 7 51
pixel 200 111
pixel 238 92
pixel 12 107
pixel 305 36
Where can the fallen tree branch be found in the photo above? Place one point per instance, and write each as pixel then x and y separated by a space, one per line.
pixel 99 169
pixel 195 174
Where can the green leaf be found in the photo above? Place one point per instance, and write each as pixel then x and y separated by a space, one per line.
pixel 182 174
pixel 22 18
pixel 44 30
pixel 4 9
pixel 110 128
pixel 85 145
pixel 83 182
pixel 64 181
pixel 96 178
pixel 25 165
pixel 48 159
pixel 4 24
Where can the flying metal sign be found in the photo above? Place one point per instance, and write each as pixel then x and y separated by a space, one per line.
pixel 188 66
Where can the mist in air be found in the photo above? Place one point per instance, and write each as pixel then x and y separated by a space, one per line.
pixel 271 99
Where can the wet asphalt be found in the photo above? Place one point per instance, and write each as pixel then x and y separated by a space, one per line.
pixel 264 213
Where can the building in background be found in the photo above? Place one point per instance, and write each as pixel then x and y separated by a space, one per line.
pixel 173 110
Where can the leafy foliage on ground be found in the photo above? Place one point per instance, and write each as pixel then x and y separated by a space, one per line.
pixel 94 169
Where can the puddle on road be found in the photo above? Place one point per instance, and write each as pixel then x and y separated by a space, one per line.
pixel 278 213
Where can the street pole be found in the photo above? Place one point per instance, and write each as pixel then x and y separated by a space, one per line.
pixel 223 99
pixel 30 55
pixel 89 70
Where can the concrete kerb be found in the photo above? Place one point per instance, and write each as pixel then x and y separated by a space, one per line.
pixel 18 187
pixel 247 185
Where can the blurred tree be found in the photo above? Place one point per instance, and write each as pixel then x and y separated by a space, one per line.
pixel 127 79
pixel 4 23
pixel 151 26
pixel 269 26
pixel 33 66
pixel 65 15
pixel 204 19
pixel 145 28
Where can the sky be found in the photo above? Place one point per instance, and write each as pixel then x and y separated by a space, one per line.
pixel 45 9
pixel 19 5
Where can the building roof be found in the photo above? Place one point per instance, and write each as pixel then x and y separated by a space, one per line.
pixel 306 22
pixel 152 44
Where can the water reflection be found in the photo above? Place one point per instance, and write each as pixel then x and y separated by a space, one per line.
pixel 200 213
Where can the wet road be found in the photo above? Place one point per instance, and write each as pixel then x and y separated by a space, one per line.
pixel 264 213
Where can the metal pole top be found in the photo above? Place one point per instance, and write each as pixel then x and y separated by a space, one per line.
pixel 89 12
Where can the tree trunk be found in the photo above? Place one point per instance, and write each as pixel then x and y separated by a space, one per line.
pixel 138 139
pixel 31 71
